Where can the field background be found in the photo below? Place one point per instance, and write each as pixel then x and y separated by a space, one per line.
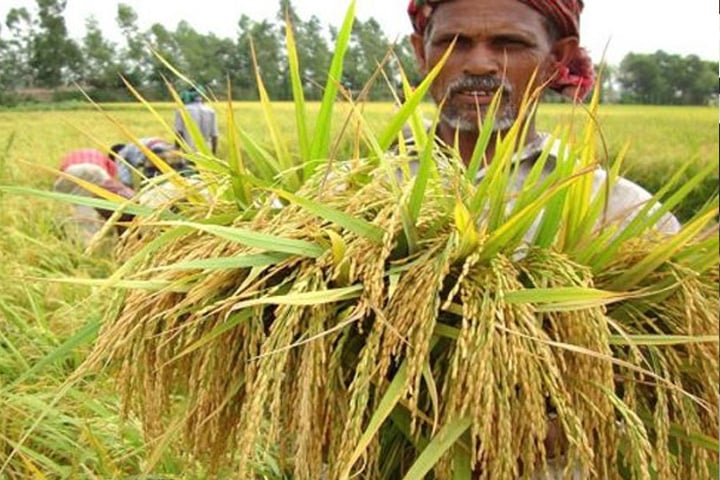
pixel 46 326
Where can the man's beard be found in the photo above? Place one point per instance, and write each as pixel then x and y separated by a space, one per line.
pixel 465 119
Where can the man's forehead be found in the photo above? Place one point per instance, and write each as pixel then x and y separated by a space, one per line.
pixel 494 16
pixel 564 14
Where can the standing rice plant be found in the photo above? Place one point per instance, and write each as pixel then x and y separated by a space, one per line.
pixel 364 321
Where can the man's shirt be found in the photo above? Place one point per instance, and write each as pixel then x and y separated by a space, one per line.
pixel 205 119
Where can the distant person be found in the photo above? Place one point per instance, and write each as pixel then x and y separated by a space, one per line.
pixel 96 168
pixel 129 157
pixel 204 117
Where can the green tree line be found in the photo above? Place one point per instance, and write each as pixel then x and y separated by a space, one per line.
pixel 38 52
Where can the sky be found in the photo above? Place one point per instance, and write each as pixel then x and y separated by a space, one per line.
pixel 640 26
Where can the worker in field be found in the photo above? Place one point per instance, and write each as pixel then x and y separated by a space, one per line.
pixel 508 47
pixel 96 172
pixel 134 166
pixel 204 118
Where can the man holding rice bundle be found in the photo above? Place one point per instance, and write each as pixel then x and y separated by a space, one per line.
pixel 508 47
pixel 369 330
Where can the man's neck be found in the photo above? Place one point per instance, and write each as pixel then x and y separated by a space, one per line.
pixel 468 139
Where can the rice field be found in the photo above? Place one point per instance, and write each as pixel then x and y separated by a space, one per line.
pixel 660 138
pixel 46 327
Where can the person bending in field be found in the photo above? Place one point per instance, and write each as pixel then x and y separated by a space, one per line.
pixel 506 47
pixel 96 168
pixel 130 158
pixel 499 46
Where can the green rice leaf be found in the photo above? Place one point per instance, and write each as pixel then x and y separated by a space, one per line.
pixel 386 406
pixel 261 241
pixel 266 164
pixel 84 336
pixel 389 135
pixel 151 285
pixel 416 120
pixel 227 263
pixel 321 139
pixel 232 322
pixel 440 443
pixel 236 166
pixel 644 219
pixel 354 224
pixel 126 207
pixel 566 298
pixel 298 93
pixel 281 151
pixel 663 252
pixel 478 158
pixel 426 166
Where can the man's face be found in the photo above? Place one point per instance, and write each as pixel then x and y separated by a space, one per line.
pixel 500 45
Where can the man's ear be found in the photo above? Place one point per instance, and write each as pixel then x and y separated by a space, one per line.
pixel 564 49
pixel 418 43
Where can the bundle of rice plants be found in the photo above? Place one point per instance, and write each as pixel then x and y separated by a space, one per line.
pixel 387 316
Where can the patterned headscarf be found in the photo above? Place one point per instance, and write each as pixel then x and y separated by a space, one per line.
pixel 575 78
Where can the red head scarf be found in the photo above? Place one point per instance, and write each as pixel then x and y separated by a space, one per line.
pixel 575 78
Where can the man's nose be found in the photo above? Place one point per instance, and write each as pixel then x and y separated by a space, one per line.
pixel 483 59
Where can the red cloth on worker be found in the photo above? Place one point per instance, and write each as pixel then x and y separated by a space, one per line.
pixel 91 156
pixel 575 78
pixel 118 188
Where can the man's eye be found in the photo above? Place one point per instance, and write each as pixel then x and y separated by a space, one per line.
pixel 511 42
pixel 445 41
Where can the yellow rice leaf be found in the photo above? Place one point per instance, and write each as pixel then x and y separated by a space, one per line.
pixel 36 473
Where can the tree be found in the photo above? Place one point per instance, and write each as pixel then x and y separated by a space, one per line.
pixel 164 43
pixel 241 75
pixel 205 58
pixel 313 54
pixel 268 51
pixel 99 69
pixel 55 58
pixel 368 49
pixel 696 81
pixel 15 69
pixel 662 78
pixel 134 59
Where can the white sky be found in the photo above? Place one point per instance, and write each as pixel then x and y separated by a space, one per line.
pixel 641 26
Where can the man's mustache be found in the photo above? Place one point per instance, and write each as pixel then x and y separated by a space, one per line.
pixel 485 83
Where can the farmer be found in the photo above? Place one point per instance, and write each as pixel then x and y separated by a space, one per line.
pixel 129 157
pixel 202 115
pixel 98 169
pixel 508 46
